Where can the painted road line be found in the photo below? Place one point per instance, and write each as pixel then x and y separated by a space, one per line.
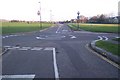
pixel 3 37
pixel 102 57
pixel 18 76
pixel 117 37
pixel 55 65
pixel 26 47
pixel 105 38
pixel 49 48
pixel 39 38
pixel 100 38
pixel 36 48
pixel 23 49
pixel 58 29
pixel 72 37
pixel 63 36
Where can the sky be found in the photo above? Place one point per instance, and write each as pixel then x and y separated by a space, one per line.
pixel 55 10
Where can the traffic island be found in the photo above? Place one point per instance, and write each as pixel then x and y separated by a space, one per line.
pixel 105 53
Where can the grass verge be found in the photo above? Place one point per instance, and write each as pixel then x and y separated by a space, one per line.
pixel 110 47
pixel 117 39
pixel 17 27
pixel 112 28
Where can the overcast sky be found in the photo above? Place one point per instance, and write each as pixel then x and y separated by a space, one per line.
pixel 60 9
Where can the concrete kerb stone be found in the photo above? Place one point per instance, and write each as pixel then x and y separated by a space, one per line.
pixel 104 53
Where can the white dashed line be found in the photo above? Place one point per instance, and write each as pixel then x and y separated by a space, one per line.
pixel 18 76
pixel 22 49
pixel 39 38
pixel 58 29
pixel 36 48
pixel 48 48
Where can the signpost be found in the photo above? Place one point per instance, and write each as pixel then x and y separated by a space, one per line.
pixel 39 14
pixel 78 17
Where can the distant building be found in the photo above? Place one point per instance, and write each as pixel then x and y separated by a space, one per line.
pixel 83 19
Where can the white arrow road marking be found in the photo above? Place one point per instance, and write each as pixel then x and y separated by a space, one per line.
pixel 18 76
pixel 72 37
pixel 105 38
pixel 100 38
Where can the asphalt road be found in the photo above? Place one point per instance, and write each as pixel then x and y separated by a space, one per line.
pixel 56 52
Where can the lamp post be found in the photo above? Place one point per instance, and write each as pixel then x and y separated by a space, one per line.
pixel 39 13
pixel 78 17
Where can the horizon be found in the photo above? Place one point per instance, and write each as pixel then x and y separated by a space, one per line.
pixel 56 10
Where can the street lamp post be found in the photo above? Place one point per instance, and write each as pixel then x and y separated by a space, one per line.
pixel 78 17
pixel 39 13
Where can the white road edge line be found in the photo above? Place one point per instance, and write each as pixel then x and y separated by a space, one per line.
pixel 58 29
pixel 55 65
pixel 18 76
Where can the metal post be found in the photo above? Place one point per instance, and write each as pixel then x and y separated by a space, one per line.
pixel 78 17
pixel 40 16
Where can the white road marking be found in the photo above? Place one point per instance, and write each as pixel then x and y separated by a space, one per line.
pixel 100 38
pixel 36 48
pixel 58 29
pixel 24 49
pixel 63 36
pixel 18 76
pixel 3 37
pixel 40 38
pixel 105 38
pixel 55 65
pixel 73 37
pixel 48 48
pixel 117 37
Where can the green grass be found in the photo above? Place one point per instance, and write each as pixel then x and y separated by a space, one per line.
pixel 96 27
pixel 110 47
pixel 117 39
pixel 17 27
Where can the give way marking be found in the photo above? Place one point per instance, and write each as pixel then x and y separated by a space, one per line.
pixel 32 76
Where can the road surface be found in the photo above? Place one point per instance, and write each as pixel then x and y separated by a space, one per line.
pixel 57 52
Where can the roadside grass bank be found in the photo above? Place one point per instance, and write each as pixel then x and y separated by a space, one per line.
pixel 110 47
pixel 110 28
pixel 17 27
pixel 116 39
